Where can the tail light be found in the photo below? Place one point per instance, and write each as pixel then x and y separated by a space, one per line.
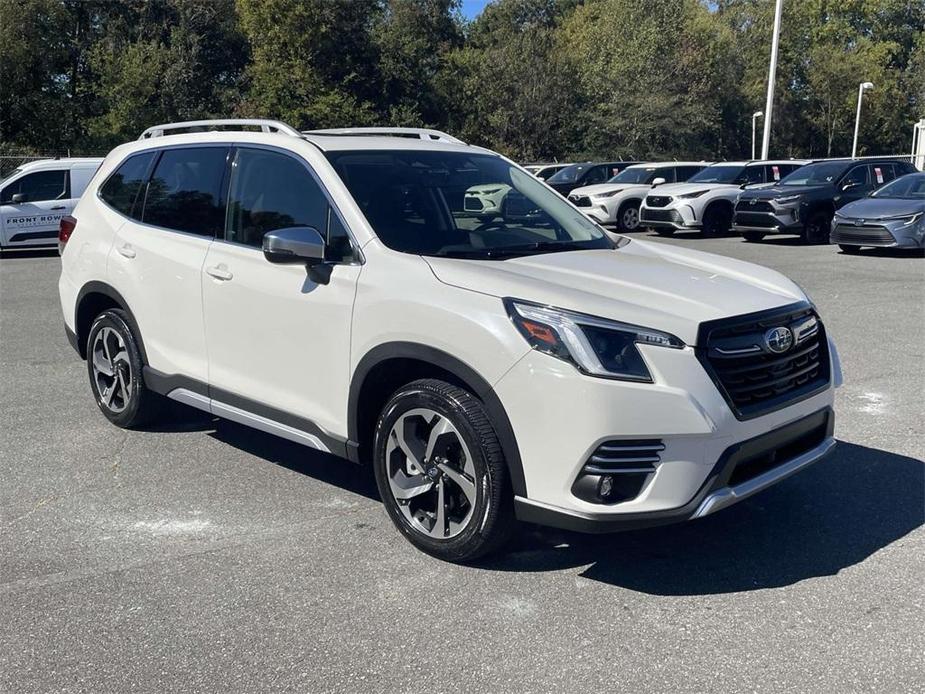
pixel 65 229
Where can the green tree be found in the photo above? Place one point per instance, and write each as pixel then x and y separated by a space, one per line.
pixel 313 61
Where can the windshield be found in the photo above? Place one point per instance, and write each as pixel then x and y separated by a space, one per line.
pixel 569 174
pixel 911 187
pixel 631 175
pixel 458 204
pixel 718 174
pixel 819 173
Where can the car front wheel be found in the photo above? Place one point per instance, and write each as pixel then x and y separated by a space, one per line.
pixel 441 472
pixel 115 368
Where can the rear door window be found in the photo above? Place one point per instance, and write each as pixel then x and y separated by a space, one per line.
pixel 881 173
pixel 121 188
pixel 184 193
pixel 856 177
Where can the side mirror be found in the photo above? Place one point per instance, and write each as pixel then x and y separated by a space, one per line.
pixel 19 198
pixel 294 245
pixel 658 181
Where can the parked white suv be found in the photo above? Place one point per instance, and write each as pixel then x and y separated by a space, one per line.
pixel 34 198
pixel 333 290
pixel 706 200
pixel 616 202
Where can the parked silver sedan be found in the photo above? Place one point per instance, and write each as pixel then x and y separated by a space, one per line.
pixel 892 216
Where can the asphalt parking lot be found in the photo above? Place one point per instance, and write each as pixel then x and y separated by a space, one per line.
pixel 204 556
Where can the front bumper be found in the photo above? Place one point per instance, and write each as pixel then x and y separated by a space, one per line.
pixel 767 218
pixel 677 217
pixel 689 418
pixel 881 235
pixel 718 491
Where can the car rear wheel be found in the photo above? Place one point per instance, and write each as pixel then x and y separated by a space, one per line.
pixel 628 218
pixel 850 250
pixel 753 236
pixel 816 229
pixel 115 368
pixel 441 472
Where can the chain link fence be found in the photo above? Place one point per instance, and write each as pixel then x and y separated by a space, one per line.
pixel 10 161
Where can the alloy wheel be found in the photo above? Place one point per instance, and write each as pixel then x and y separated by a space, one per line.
pixel 630 218
pixel 431 473
pixel 112 371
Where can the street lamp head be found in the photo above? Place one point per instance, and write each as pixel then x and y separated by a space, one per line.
pixel 757 114
pixel 867 85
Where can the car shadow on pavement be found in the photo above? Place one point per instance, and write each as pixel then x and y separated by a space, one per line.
pixel 825 519
pixel 323 467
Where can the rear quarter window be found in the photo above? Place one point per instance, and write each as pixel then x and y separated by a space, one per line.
pixel 121 188
pixel 184 193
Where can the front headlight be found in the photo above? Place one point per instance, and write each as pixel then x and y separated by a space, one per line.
pixel 596 346
pixel 906 219
pixel 788 198
pixel 695 194
pixel 609 193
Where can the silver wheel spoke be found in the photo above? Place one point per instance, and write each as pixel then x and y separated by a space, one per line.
pixel 101 365
pixel 439 529
pixel 461 480
pixel 123 388
pixel 440 428
pixel 410 487
pixel 110 393
pixel 412 448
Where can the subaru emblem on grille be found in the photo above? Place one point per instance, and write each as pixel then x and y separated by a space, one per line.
pixel 778 340
pixel 860 222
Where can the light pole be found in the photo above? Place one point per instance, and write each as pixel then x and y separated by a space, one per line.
pixel 863 87
pixel 755 116
pixel 772 75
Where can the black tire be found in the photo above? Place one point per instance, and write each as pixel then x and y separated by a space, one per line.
pixel 753 236
pixel 663 231
pixel 491 521
pixel 717 220
pixel 816 229
pixel 850 250
pixel 626 220
pixel 141 405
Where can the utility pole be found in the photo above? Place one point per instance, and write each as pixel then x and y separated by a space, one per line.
pixel 772 76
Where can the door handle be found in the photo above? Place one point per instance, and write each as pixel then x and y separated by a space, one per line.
pixel 60 207
pixel 219 272
pixel 126 251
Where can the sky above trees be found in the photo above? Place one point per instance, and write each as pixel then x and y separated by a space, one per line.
pixel 535 79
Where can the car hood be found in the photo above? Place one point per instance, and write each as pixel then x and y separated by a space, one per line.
pixel 607 187
pixel 649 284
pixel 775 192
pixel 676 189
pixel 878 208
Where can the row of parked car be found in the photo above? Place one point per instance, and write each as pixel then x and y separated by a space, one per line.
pixel 854 203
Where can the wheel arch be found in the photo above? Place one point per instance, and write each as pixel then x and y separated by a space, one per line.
pixel 94 298
pixel 388 366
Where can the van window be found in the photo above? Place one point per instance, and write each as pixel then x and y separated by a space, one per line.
pixel 271 191
pixel 121 188
pixel 39 186
pixel 184 192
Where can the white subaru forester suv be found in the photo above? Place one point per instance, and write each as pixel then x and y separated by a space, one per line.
pixel 332 289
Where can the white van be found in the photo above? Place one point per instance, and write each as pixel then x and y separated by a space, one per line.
pixel 35 197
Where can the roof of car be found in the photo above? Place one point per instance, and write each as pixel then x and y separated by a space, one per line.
pixel 747 162
pixel 63 161
pixel 337 143
pixel 665 164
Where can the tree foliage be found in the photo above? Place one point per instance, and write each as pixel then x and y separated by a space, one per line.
pixel 535 79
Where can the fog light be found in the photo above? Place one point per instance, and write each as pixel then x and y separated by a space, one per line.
pixel 605 488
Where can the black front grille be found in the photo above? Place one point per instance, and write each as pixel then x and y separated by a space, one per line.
pixel 871 235
pixel 659 216
pixel 753 378
pixel 757 219
pixel 581 201
pixel 658 200
pixel 756 206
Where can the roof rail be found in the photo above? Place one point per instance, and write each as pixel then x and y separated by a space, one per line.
pixel 267 126
pixel 418 133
